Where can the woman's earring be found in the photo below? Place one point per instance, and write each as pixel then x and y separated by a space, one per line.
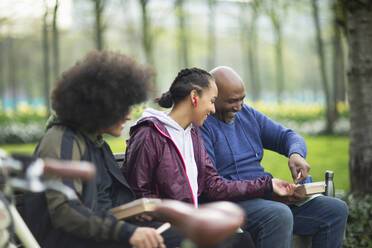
pixel 195 101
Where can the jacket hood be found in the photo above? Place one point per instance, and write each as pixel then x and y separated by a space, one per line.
pixel 160 117
pixel 52 121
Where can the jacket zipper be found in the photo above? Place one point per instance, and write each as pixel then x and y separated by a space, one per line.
pixel 184 164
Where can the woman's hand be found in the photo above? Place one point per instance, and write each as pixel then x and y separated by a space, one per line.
pixel 290 199
pixel 146 237
pixel 144 217
pixel 282 188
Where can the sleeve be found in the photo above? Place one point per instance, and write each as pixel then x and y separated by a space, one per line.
pixel 140 160
pixel 73 216
pixel 219 189
pixel 277 138
pixel 216 188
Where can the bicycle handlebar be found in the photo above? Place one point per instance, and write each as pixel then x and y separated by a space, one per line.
pixel 26 173
pixel 69 169
pixel 207 225
pixel 31 167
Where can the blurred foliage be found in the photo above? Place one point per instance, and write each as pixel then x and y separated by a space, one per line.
pixel 19 133
pixel 24 114
pixel 124 33
pixel 298 111
pixel 305 118
pixel 136 111
pixel 359 223
pixel 26 123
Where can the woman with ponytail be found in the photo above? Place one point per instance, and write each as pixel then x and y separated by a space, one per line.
pixel 166 158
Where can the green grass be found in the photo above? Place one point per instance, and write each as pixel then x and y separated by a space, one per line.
pixel 324 153
pixel 116 144
pixel 20 148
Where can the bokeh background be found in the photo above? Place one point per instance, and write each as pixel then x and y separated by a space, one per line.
pixel 293 56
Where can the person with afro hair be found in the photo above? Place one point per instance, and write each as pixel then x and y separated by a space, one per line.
pixel 90 99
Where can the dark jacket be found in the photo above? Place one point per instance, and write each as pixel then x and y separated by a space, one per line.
pixel 58 222
pixel 154 168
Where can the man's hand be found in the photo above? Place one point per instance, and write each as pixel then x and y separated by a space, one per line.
pixel 299 167
pixel 291 199
pixel 146 237
pixel 282 188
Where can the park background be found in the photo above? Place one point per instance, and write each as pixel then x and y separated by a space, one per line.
pixel 292 56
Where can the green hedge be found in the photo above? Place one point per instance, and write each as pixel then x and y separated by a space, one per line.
pixel 359 223
pixel 25 124
pixel 21 127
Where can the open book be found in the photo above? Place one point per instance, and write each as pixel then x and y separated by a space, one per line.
pixel 133 208
pixel 310 188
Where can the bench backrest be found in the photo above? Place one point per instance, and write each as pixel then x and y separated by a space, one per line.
pixel 119 157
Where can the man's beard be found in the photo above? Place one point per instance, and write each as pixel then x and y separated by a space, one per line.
pixel 230 116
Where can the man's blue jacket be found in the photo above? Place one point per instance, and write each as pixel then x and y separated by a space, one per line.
pixel 236 149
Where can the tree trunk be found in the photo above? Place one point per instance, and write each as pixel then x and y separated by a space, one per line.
pixel 338 67
pixel 272 11
pixel 247 57
pixel 46 59
pixel 99 28
pixel 339 91
pixel 12 72
pixel 279 59
pixel 330 107
pixel 2 78
pixel 147 37
pixel 212 35
pixel 183 49
pixel 342 16
pixel 55 41
pixel 253 59
pixel 26 77
pixel 360 92
pixel 250 57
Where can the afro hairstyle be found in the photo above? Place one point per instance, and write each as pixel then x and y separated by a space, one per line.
pixel 98 91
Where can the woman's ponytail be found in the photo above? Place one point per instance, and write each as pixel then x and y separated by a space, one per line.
pixel 165 100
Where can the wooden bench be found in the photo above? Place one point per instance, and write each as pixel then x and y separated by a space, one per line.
pixel 297 242
pixel 119 157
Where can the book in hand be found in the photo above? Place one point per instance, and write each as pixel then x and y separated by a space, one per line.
pixel 310 188
pixel 136 207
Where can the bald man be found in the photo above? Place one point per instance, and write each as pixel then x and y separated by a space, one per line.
pixel 235 138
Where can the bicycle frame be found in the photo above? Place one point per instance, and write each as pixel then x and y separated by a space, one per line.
pixel 32 183
pixel 21 230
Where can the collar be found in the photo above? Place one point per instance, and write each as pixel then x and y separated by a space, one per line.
pixel 97 140
pixel 52 120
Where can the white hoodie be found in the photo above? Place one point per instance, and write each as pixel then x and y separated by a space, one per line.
pixel 182 139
